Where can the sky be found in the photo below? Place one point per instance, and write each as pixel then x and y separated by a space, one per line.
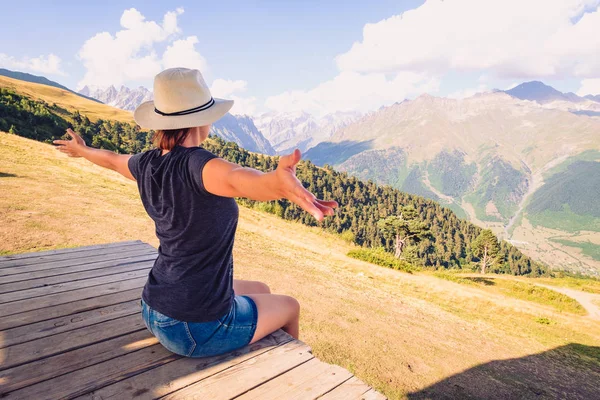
pixel 317 56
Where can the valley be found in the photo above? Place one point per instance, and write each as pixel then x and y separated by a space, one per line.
pixel 434 337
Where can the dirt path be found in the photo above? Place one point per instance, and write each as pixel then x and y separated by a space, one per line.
pixel 585 299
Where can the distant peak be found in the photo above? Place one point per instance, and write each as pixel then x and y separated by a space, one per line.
pixel 541 93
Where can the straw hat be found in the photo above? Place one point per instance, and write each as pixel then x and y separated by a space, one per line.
pixel 181 100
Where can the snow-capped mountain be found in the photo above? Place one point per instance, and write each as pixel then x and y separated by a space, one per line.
pixel 238 129
pixel 241 130
pixel 124 98
pixel 287 131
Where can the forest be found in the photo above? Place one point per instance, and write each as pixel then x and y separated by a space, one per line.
pixel 448 242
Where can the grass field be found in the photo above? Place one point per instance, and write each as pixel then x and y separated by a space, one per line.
pixel 519 290
pixel 589 249
pixel 404 334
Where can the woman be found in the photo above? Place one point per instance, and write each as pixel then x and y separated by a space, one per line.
pixel 191 302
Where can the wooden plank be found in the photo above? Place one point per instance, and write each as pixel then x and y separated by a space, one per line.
pixel 77 268
pixel 54 326
pixel 76 276
pixel 74 360
pixel 74 255
pixel 74 262
pixel 176 375
pixel 353 388
pixel 68 286
pixel 50 345
pixel 67 297
pixel 307 381
pixel 44 253
pixel 372 394
pixel 43 314
pixel 146 361
pixel 246 375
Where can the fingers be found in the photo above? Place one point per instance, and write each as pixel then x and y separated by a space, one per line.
pixel 72 133
pixel 324 209
pixel 301 191
pixel 309 207
pixel 328 203
pixel 290 160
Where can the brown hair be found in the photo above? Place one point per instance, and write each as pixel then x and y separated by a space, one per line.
pixel 169 138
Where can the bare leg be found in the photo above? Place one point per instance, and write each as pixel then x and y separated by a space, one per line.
pixel 241 287
pixel 276 311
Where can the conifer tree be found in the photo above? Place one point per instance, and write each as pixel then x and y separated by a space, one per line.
pixel 486 248
pixel 403 229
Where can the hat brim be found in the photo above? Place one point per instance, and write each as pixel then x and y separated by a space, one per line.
pixel 145 116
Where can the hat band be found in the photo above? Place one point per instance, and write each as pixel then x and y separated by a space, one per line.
pixel 186 112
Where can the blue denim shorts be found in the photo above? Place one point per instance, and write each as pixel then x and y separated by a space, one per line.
pixel 203 339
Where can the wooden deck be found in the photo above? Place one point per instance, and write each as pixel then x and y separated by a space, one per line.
pixel 71 327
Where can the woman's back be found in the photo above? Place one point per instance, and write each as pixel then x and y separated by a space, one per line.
pixel 192 278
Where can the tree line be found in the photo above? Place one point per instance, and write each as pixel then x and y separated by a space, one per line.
pixel 413 228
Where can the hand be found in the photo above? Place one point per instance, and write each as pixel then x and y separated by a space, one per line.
pixel 73 147
pixel 291 188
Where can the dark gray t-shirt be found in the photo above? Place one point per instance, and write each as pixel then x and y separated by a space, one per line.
pixel 192 278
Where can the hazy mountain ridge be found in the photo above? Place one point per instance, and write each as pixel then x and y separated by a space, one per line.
pixel 287 131
pixel 241 130
pixel 124 98
pixel 552 98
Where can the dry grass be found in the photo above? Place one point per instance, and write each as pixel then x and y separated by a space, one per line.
pixel 519 290
pixel 65 99
pixel 398 332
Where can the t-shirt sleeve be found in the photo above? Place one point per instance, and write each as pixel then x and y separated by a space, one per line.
pixel 134 165
pixel 198 159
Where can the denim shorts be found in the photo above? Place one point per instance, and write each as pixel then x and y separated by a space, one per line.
pixel 203 339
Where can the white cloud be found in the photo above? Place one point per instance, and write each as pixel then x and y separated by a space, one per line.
pixel 510 39
pixel 182 53
pixel 468 92
pixel 47 65
pixel 589 86
pixel 129 54
pixel 354 91
pixel 226 89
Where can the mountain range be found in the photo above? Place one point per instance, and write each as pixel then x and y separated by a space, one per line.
pixel 287 131
pixel 124 98
pixel 493 158
pixel 549 97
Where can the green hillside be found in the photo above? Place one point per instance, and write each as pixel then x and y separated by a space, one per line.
pixel 362 204
pixel 569 200
pixel 450 174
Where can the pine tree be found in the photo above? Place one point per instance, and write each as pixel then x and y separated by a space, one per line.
pixel 486 248
pixel 403 229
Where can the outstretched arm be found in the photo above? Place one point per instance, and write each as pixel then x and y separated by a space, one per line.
pixel 104 158
pixel 227 179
